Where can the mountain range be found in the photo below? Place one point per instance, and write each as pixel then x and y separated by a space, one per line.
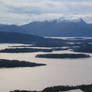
pixel 62 27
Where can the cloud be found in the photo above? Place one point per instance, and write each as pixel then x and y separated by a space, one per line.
pixel 24 11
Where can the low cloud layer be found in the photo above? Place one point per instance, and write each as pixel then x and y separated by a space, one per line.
pixel 24 11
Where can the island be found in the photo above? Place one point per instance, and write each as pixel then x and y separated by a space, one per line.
pixel 82 88
pixel 15 63
pixel 24 50
pixel 62 56
pixel 85 49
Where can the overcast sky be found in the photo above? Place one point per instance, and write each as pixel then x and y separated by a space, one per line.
pixel 24 11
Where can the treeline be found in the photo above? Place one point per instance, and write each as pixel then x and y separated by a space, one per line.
pixel 84 88
pixel 62 56
pixel 23 50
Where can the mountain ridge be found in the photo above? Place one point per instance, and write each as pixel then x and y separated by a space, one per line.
pixel 63 27
pixel 14 37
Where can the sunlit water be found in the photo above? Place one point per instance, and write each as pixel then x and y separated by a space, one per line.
pixel 57 72
pixel 69 38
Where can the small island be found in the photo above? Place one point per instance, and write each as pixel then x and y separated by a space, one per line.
pixel 15 63
pixel 24 50
pixel 82 88
pixel 62 56
pixel 85 49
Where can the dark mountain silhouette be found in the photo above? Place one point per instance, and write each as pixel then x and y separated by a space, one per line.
pixel 13 37
pixel 10 28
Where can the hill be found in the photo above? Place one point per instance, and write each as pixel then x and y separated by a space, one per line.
pixel 13 37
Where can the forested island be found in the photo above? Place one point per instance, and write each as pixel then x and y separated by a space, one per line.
pixel 16 63
pixel 24 50
pixel 62 56
pixel 86 48
pixel 83 88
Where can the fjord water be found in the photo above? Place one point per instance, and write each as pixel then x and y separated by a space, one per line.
pixel 57 71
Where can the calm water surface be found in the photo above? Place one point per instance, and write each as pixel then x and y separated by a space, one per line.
pixel 57 72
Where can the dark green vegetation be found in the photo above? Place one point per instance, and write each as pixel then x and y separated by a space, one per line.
pixel 15 63
pixel 23 50
pixel 84 88
pixel 62 56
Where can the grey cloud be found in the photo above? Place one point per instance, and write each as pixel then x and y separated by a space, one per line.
pixel 12 10
pixel 71 0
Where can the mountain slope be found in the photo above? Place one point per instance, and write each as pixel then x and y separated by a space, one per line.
pixel 10 28
pixel 65 26
pixel 62 27
pixel 13 37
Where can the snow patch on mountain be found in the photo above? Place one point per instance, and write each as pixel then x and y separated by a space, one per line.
pixel 70 19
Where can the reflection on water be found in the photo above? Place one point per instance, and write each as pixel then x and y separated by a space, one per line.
pixel 57 72
pixel 70 38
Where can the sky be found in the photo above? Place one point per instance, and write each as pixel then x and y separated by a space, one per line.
pixel 24 11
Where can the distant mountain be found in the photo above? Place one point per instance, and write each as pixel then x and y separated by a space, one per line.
pixel 64 26
pixel 10 28
pixel 71 19
pixel 13 37
pixel 75 27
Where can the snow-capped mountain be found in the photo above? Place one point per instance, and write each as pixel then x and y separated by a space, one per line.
pixel 64 26
pixel 70 19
